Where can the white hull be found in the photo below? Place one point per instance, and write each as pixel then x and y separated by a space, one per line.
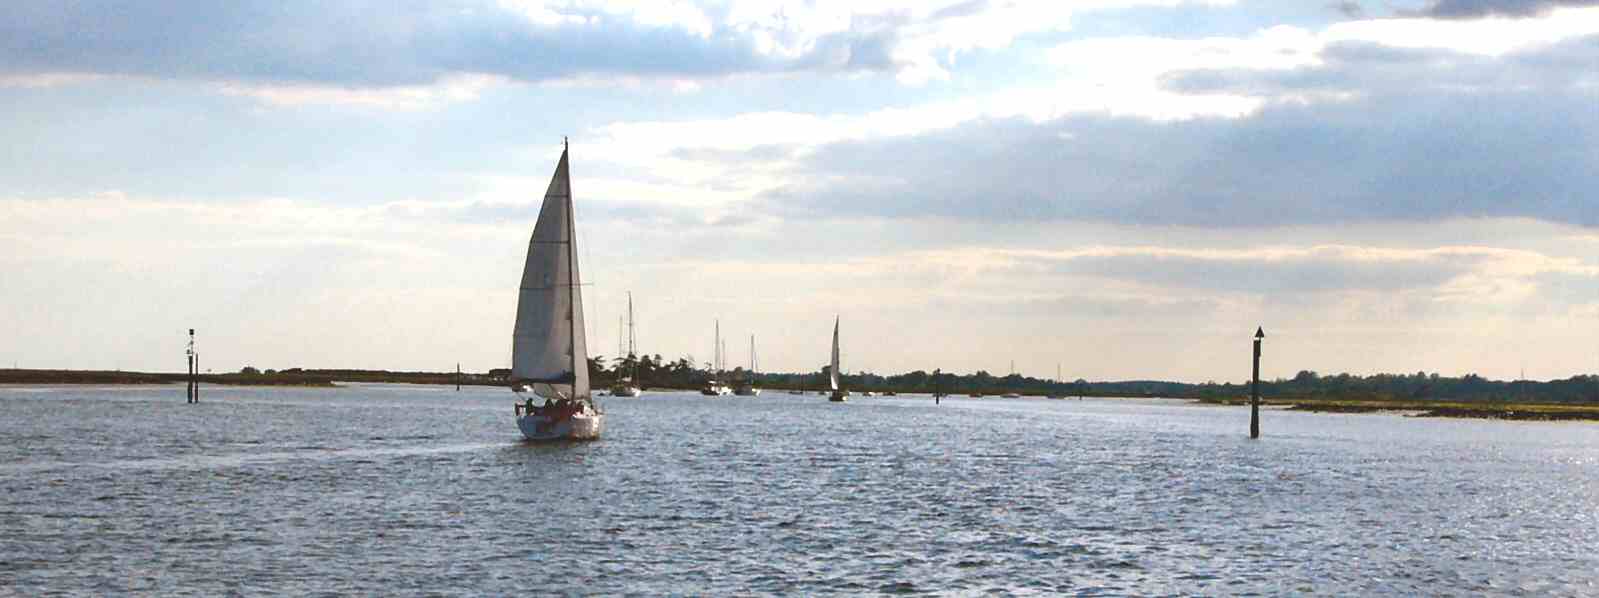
pixel 581 426
pixel 716 391
pixel 625 392
pixel 747 392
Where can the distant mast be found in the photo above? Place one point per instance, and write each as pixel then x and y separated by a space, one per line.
pixel 632 347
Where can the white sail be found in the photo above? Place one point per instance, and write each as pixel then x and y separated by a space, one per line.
pixel 832 380
pixel 548 348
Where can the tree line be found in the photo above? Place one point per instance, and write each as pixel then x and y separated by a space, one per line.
pixel 683 373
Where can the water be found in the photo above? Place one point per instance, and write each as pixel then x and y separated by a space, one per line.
pixel 379 489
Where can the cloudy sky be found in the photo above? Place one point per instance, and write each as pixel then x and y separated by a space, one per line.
pixel 1124 187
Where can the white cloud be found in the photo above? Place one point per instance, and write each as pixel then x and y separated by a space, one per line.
pixel 47 79
pixel 676 14
pixel 454 88
pixel 1493 36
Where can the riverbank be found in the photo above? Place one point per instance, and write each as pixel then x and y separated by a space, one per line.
pixel 1412 408
pixel 18 376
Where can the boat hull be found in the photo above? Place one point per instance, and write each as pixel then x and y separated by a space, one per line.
pixel 627 391
pixel 747 392
pixel 580 426
pixel 839 396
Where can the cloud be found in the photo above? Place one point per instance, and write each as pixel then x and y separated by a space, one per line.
pixel 1274 270
pixel 1344 132
pixel 343 49
pixel 1471 9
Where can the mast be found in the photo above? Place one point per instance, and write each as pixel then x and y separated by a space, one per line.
pixel 571 274
pixel 631 347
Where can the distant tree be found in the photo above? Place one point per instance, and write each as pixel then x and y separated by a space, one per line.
pixel 250 371
pixel 270 371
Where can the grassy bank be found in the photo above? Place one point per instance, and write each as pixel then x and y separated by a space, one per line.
pixel 1477 410
pixel 14 376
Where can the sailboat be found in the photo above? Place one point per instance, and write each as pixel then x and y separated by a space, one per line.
pixel 549 357
pixel 839 395
pixel 628 387
pixel 1054 392
pixel 1012 394
pixel 746 387
pixel 714 387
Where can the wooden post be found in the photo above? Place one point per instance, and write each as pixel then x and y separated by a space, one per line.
pixel 196 376
pixel 188 379
pixel 457 376
pixel 1254 388
pixel 192 393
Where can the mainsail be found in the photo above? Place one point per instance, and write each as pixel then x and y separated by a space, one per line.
pixel 832 380
pixel 547 345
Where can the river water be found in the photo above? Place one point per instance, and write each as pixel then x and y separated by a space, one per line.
pixel 395 489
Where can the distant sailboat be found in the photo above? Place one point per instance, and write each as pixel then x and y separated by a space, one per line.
pixel 1054 393
pixel 1012 394
pixel 714 387
pixel 746 387
pixel 549 358
pixel 629 386
pixel 839 395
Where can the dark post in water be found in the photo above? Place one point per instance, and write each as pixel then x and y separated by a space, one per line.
pixel 457 377
pixel 192 394
pixel 1254 388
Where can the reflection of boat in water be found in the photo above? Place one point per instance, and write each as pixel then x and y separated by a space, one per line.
pixel 746 387
pixel 839 395
pixel 549 358
pixel 628 387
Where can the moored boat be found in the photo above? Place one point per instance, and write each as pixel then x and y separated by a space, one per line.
pixel 746 387
pixel 715 387
pixel 628 387
pixel 838 395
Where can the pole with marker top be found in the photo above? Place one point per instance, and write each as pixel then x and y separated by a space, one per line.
pixel 1254 388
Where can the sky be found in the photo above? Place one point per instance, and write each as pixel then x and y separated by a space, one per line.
pixel 1123 189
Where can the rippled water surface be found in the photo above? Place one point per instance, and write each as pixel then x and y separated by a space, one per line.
pixel 381 489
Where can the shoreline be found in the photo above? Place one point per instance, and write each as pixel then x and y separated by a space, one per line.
pixel 1432 409
pixel 1501 410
